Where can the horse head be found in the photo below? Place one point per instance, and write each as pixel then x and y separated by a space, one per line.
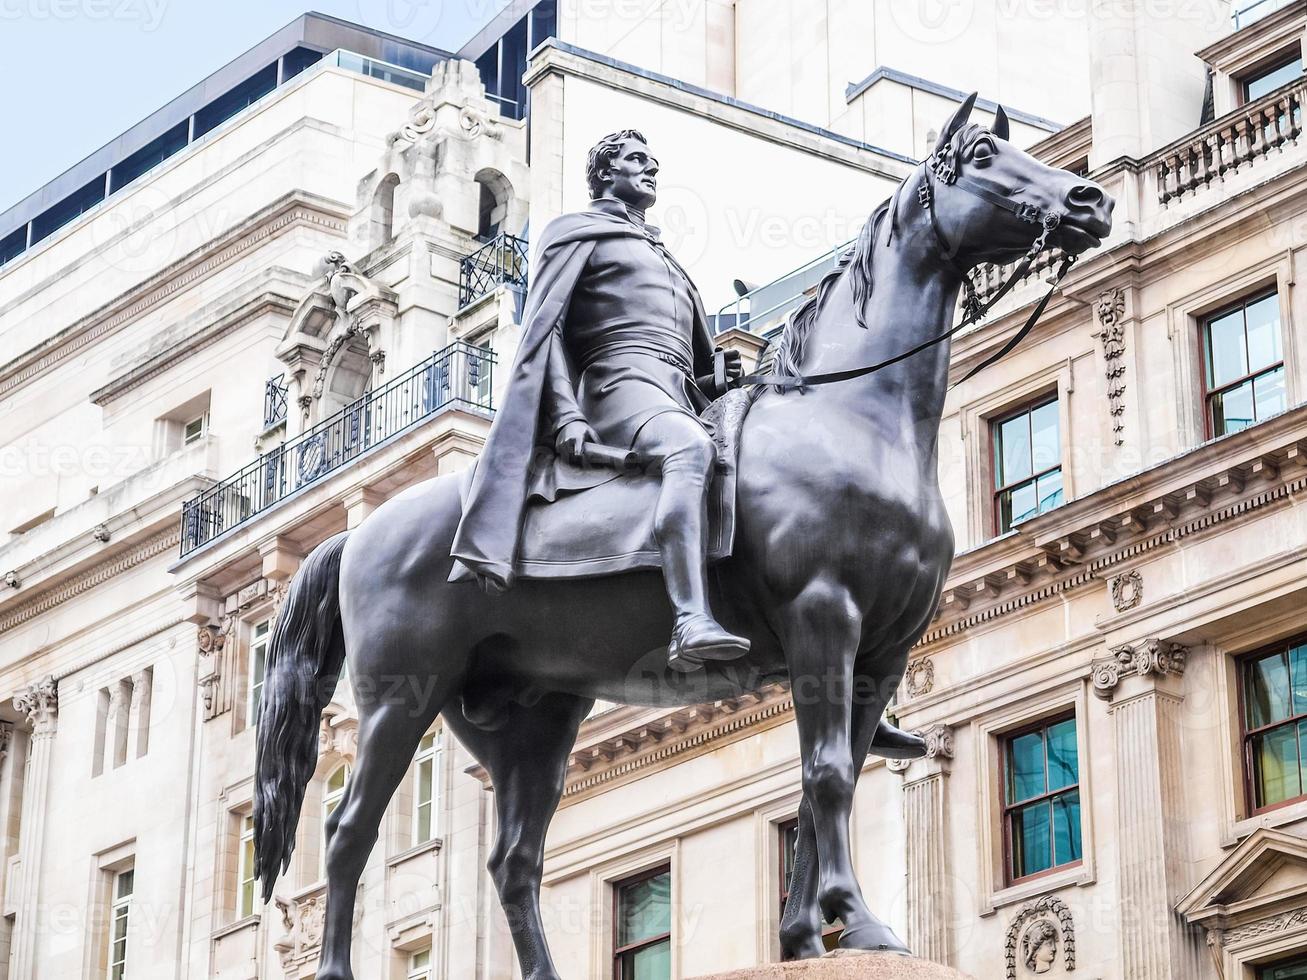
pixel 990 201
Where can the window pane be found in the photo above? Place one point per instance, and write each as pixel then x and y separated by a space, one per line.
pixel 126 880
pixel 1232 410
pixel 645 909
pixel 1275 756
pixel 1267 695
pixel 1017 505
pixel 1045 441
pixel 1226 357
pixel 1014 450
pixel 1026 767
pixel 1063 765
pixel 1066 828
pixel 1260 85
pixel 1298 671
pixel 1031 850
pixel 1296 970
pixel 1050 491
pixel 1270 398
pixel 1264 333
pixel 652 963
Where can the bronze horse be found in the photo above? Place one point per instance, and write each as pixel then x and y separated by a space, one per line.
pixel 842 547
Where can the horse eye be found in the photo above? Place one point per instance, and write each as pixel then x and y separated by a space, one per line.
pixel 983 150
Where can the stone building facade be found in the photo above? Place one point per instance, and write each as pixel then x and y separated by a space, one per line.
pixel 306 298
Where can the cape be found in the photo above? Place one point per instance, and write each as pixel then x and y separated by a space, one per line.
pixel 489 533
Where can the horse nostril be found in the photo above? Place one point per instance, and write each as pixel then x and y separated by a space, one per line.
pixel 1086 196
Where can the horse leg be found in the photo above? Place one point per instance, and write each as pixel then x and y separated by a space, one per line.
pixel 527 762
pixel 801 932
pixel 821 639
pixel 389 732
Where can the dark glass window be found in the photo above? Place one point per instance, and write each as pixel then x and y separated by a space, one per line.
pixel 1275 724
pixel 544 22
pixel 1244 365
pixel 789 842
pixel 1264 80
pixel 1294 969
pixel 241 97
pixel 296 60
pixel 1027 463
pixel 13 244
pixel 79 202
pixel 148 157
pixel 1041 793
pixel 642 927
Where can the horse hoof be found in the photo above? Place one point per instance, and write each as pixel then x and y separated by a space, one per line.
pixel 873 937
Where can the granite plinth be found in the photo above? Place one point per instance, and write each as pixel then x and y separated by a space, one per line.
pixel 843 965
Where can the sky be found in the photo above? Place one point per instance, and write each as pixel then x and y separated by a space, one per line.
pixel 77 73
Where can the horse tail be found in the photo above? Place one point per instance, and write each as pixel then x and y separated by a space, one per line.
pixel 305 654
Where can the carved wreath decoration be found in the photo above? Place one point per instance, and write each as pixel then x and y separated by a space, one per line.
pixel 1026 936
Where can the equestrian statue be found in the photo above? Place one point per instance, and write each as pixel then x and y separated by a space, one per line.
pixel 821 566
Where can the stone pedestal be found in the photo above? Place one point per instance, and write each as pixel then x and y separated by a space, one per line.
pixel 848 966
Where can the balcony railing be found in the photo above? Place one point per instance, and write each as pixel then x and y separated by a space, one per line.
pixel 500 260
pixel 458 375
pixel 1237 141
pixel 275 393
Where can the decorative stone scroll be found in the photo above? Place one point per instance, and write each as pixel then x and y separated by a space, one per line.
pixel 1110 311
pixel 39 701
pixel 1034 935
pixel 1158 657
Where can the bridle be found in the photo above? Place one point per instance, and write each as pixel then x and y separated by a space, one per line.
pixel 940 167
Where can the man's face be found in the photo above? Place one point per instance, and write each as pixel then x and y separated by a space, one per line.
pixel 634 173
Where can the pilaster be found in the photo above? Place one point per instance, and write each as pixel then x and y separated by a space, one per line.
pixel 929 895
pixel 40 703
pixel 1141 682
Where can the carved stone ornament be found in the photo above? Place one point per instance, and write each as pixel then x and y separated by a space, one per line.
pixel 1034 935
pixel 1157 657
pixel 13 581
pixel 40 703
pixel 211 644
pixel 1127 590
pixel 920 677
pixel 303 917
pixel 1110 312
pixel 939 745
pixel 101 534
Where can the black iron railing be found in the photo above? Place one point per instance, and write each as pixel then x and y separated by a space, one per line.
pixel 275 392
pixel 500 260
pixel 458 375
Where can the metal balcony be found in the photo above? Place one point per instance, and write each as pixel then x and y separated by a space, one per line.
pixel 459 375
pixel 275 393
pixel 500 260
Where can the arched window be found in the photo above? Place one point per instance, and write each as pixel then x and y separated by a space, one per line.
pixel 333 794
pixel 496 193
pixel 382 218
pixel 426 788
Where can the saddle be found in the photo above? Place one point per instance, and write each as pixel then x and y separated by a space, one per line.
pixel 582 521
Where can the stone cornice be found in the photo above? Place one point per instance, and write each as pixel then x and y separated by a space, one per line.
pixel 296 209
pixel 1272 30
pixel 1067 548
pixel 90 578
pixel 269 299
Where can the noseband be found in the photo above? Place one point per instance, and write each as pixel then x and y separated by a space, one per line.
pixel 940 167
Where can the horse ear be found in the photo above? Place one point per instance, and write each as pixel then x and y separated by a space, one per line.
pixel 1001 124
pixel 957 122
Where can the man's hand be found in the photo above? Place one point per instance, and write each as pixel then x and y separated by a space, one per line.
pixel 571 439
pixel 734 366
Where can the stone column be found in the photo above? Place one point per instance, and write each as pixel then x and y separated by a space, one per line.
pixel 120 696
pixel 139 714
pixel 40 703
pixel 1142 683
pixel 929 895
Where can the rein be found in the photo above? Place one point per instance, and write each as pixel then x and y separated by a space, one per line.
pixel 940 166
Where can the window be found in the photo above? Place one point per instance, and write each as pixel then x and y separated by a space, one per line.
pixel 642 926
pixel 426 776
pixel 1270 77
pixel 258 668
pixel 1041 812
pixel 789 841
pixel 1294 969
pixel 1244 365
pixel 1275 724
pixel 419 965
pixel 123 884
pixel 245 869
pixel 332 796
pixel 193 431
pixel 1027 463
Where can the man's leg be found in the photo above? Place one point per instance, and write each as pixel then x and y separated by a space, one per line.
pixel 681 531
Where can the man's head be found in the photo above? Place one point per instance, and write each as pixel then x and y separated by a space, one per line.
pixel 620 166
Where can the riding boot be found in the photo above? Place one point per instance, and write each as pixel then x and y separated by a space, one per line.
pixel 894 743
pixel 681 530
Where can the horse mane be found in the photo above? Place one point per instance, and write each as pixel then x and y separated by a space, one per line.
pixel 860 260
